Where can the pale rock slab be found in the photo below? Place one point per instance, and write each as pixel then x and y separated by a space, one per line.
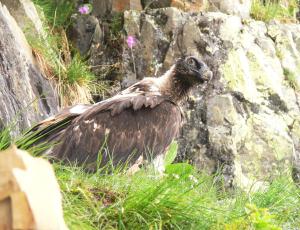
pixel 240 8
pixel 30 197
pixel 25 94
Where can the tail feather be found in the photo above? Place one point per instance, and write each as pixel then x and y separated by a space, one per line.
pixel 48 132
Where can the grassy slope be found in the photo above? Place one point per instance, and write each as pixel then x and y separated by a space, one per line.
pixel 182 199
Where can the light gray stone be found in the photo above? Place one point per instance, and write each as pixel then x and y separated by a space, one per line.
pixel 26 15
pixel 25 95
pixel 240 8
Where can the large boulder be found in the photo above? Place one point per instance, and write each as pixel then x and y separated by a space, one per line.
pixel 25 95
pixel 245 122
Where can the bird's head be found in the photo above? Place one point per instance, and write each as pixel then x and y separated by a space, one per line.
pixel 192 70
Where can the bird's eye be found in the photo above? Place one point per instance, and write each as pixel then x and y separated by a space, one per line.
pixel 191 62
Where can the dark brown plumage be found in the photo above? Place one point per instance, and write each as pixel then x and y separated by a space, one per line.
pixel 142 119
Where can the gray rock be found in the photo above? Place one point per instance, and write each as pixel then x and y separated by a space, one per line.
pixel 25 14
pixel 153 4
pixel 84 31
pixel 25 95
pixel 102 8
pixel 234 7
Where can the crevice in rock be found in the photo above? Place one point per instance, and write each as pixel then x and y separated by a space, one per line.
pixel 297 99
pixel 43 98
pixel 277 104
pixel 241 104
pixel 159 17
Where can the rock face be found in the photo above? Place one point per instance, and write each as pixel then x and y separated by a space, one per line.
pixel 98 36
pixel 25 95
pixel 245 123
pixel 85 32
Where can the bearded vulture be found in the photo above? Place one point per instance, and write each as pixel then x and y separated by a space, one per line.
pixel 143 119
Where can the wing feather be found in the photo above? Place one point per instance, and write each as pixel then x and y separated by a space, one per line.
pixel 143 131
pixel 50 130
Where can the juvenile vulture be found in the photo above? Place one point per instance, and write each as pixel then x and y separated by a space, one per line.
pixel 142 119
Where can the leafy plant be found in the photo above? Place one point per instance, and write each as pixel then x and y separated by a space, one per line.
pixel 171 153
pixel 255 218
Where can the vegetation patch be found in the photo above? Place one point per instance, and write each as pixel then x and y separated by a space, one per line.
pixel 183 200
pixel 283 10
pixel 57 58
pixel 291 78
pixel 57 13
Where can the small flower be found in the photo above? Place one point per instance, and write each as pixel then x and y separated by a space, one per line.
pixel 84 9
pixel 131 41
pixel 194 179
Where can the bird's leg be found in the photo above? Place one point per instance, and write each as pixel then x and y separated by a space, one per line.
pixel 136 166
pixel 159 164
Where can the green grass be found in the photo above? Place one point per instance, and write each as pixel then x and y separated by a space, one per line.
pixel 5 138
pixel 75 82
pixel 283 10
pixel 56 12
pixel 189 200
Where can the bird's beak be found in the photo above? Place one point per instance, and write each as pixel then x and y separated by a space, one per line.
pixel 207 75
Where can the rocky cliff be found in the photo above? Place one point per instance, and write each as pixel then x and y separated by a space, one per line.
pixel 25 95
pixel 245 123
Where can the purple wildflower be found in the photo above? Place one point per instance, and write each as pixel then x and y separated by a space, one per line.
pixel 131 41
pixel 84 9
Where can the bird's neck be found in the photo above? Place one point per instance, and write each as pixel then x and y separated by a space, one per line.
pixel 173 86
